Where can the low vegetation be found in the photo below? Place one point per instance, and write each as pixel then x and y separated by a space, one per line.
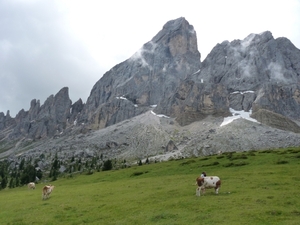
pixel 258 187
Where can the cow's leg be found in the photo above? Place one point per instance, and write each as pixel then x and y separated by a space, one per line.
pixel 198 191
pixel 203 190
pixel 217 190
pixel 218 184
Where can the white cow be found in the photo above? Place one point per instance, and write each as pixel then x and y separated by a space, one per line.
pixel 47 191
pixel 31 185
pixel 207 182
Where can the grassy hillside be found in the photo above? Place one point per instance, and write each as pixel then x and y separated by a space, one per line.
pixel 258 187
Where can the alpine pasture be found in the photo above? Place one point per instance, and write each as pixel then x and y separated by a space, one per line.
pixel 258 187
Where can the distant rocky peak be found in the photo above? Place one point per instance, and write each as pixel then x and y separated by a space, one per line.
pixel 33 103
pixel 148 76
pixel 172 27
pixel 177 35
pixel 254 39
pixel 63 93
pixel 180 37
pixel 34 109
pixel 176 24
pixel 8 114
pixel 247 47
pixel 246 64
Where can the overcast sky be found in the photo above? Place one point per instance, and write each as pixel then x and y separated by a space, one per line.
pixel 46 45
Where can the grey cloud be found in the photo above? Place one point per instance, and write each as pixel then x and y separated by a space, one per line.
pixel 38 57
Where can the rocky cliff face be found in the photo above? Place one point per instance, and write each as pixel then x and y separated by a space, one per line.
pixel 6 121
pixel 151 74
pixel 120 118
pixel 43 121
pixel 259 72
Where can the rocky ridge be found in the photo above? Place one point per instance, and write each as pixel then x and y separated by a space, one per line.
pixel 259 72
pixel 163 103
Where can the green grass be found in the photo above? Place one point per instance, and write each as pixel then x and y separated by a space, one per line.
pixel 258 187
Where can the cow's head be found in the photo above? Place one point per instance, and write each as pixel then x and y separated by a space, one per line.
pixel 200 181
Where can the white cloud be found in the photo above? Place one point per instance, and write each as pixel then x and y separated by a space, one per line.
pixel 276 72
pixel 139 54
pixel 247 41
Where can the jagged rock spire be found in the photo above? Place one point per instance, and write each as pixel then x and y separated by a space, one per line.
pixel 151 74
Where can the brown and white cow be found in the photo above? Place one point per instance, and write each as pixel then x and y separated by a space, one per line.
pixel 31 185
pixel 206 183
pixel 47 191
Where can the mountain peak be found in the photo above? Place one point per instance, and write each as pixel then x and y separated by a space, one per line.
pixel 152 73
pixel 176 24
pixel 257 38
pixel 173 28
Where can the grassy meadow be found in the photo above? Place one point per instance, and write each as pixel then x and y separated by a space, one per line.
pixel 258 187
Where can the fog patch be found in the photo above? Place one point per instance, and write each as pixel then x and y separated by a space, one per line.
pixel 246 71
pixel 192 31
pixel 138 56
pixel 148 48
pixel 247 41
pixel 276 72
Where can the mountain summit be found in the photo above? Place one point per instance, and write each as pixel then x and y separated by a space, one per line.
pixel 150 75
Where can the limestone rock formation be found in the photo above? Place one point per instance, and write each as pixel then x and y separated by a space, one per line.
pixel 165 96
pixel 171 146
pixel 151 74
pixel 6 120
pixel 75 111
pixel 259 72
pixel 46 120
pixel 275 120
